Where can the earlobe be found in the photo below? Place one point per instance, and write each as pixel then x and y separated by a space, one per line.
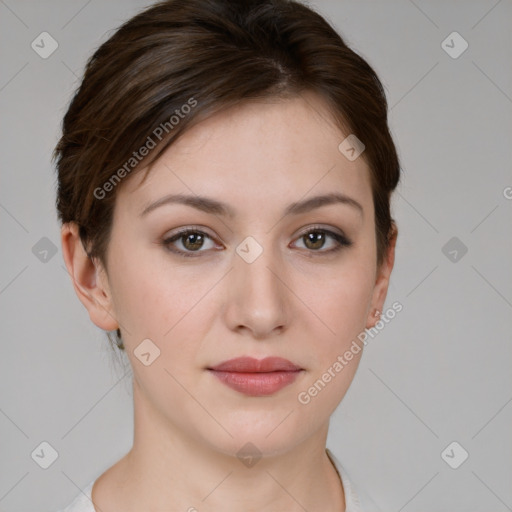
pixel 382 282
pixel 89 280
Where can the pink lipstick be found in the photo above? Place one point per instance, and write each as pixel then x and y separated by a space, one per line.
pixel 256 377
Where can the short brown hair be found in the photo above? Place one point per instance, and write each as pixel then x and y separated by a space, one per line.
pixel 211 54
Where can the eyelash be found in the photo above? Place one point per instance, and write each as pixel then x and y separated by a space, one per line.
pixel 342 241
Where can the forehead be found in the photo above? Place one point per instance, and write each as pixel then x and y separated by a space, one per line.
pixel 265 152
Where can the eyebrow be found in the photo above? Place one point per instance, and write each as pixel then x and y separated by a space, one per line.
pixel 210 205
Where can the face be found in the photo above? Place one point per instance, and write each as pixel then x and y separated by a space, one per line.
pixel 264 271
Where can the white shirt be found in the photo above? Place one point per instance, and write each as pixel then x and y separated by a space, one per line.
pixel 354 502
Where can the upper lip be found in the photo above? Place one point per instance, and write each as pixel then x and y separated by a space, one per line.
pixel 251 365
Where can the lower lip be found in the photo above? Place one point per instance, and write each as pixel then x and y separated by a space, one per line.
pixel 257 384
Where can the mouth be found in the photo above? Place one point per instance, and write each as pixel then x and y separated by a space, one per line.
pixel 256 377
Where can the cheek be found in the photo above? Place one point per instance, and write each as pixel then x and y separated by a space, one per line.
pixel 167 305
pixel 337 351
pixel 343 300
pixel 146 299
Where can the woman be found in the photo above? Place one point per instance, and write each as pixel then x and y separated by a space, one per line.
pixel 224 182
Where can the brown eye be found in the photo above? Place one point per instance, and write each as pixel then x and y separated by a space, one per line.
pixel 316 238
pixel 190 240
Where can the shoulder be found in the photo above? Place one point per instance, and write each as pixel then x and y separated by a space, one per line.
pixel 356 500
pixel 82 502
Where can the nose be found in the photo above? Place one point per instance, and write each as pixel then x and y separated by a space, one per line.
pixel 259 298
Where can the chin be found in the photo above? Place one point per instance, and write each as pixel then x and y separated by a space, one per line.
pixel 262 434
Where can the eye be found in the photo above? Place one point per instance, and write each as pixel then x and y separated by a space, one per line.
pixel 315 239
pixel 190 239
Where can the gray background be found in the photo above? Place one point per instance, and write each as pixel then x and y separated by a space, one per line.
pixel 439 372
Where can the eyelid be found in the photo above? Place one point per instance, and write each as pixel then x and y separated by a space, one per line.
pixel 320 227
pixel 186 229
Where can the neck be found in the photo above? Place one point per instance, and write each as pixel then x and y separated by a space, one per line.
pixel 167 469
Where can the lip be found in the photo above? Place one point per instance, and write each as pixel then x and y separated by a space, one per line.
pixel 256 377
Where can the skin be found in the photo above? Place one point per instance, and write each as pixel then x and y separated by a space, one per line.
pixel 295 301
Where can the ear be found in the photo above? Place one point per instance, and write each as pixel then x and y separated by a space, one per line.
pixel 89 279
pixel 382 281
